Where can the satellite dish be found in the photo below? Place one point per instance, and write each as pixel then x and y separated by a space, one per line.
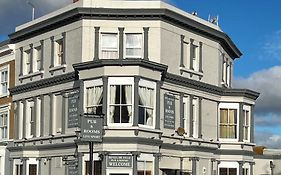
pixel 180 131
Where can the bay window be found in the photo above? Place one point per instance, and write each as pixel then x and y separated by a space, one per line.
pixel 246 123
pixel 145 167
pixel 109 46
pixel 228 123
pixel 94 99
pixel 146 105
pixel 134 45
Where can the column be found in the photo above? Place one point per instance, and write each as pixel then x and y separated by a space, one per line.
pixel 136 101
pixel 181 166
pixel 212 166
pixel 11 168
pixel 24 165
pixel 200 57
pixel 102 156
pixel 52 51
pixel 191 54
pixel 135 162
pixel 64 48
pixel 191 116
pixel 157 120
pixel 16 118
pixel 63 120
pixel 24 119
pixel 97 29
pixel 42 116
pixel 156 163
pixel 200 117
pixel 252 124
pixel 241 121
pixel 31 59
pixel 121 42
pixel 182 51
pixel 145 31
pixel 34 115
pixel 51 96
pixel 50 165
pixel 181 111
pixel 21 61
pixel 104 99
pixel 80 162
pixel 252 168
pixel 218 125
pixel 39 159
pixel 42 56
pixel 241 163
pixel 194 162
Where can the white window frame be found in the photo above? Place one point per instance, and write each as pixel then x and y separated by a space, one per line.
pixel 248 109
pixel 32 161
pixel 195 117
pixel 37 55
pixel 58 55
pixel 186 114
pixel 196 56
pixel 141 48
pixel 89 84
pixel 225 164
pixel 152 85
pixel 101 45
pixel 229 106
pixel 27 61
pixel 29 120
pixel 5 110
pixel 2 69
pixel 120 81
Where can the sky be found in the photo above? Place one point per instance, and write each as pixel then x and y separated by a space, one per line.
pixel 255 28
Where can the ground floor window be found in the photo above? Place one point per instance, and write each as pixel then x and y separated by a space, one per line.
pixel 228 171
pixel 97 167
pixel 32 169
pixel 19 169
pixel 145 167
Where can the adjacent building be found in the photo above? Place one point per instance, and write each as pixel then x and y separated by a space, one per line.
pixel 161 77
pixel 7 80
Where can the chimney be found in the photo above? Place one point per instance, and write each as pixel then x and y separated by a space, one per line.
pixel 75 1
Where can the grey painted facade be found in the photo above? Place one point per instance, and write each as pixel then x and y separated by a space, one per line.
pixel 156 51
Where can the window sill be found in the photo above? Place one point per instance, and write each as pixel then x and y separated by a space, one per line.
pixel 57 68
pixel 34 74
pixel 192 72
pixel 3 96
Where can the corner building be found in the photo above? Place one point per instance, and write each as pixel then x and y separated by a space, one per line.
pixel 161 77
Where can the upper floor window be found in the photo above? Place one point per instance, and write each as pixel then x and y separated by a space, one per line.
pixel 194 57
pixel 226 71
pixel 59 52
pixel 94 99
pixel 195 118
pixel 37 55
pixel 133 45
pixel 120 100
pixel 4 81
pixel 4 125
pixel 146 105
pixel 27 61
pixel 228 123
pixel 109 46
pixel 246 123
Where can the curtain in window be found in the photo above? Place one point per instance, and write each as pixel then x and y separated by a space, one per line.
pixel 94 98
pixel 146 97
pixel 223 123
pixel 128 96
pixel 112 102
pixel 232 123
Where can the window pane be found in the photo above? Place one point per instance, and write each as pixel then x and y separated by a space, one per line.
pixel 141 115
pixel 116 116
pixel 232 116
pixel 232 171
pixel 223 116
pixel 125 114
pixel 109 41
pixel 223 131
pixel 133 52
pixel 223 171
pixel 232 132
pixel 133 40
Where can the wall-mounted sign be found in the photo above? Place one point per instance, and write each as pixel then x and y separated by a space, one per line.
pixel 91 129
pixel 73 109
pixel 169 111
pixel 119 161
pixel 72 167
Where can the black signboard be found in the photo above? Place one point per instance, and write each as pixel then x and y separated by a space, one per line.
pixel 117 161
pixel 72 167
pixel 73 109
pixel 91 129
pixel 169 111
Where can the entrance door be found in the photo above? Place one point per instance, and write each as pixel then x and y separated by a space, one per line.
pixel 32 169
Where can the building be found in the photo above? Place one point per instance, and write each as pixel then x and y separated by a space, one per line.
pixel 7 79
pixel 161 77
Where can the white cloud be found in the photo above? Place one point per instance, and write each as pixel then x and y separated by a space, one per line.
pixel 268 140
pixel 272 47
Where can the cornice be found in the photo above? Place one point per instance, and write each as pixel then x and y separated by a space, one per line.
pixel 127 14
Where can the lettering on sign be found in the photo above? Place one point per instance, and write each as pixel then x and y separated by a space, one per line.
pixel 114 161
pixel 169 111
pixel 73 167
pixel 91 129
pixel 73 106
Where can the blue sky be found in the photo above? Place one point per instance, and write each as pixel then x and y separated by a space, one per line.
pixel 253 25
